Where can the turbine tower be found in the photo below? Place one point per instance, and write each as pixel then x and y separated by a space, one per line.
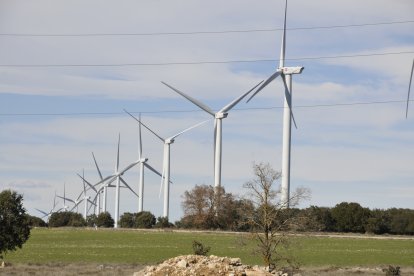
pixel 165 179
pixel 218 116
pixel 286 74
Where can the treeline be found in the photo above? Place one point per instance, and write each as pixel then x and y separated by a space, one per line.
pixel 208 209
pixel 352 217
pixel 200 213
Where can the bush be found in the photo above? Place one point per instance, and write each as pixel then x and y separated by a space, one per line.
pixel 200 249
pixel 144 219
pixel 62 219
pixel 105 220
pixel 127 220
pixel 162 222
pixel 35 221
pixel 91 220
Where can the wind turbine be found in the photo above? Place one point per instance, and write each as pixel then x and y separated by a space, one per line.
pixel 409 89
pixel 143 163
pixel 104 190
pixel 83 197
pixel 65 208
pixel 117 176
pixel 286 74
pixel 165 179
pixel 48 214
pixel 218 116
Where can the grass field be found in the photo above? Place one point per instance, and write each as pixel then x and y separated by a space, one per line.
pixel 150 247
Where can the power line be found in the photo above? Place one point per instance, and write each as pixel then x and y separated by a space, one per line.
pixel 194 110
pixel 201 62
pixel 206 32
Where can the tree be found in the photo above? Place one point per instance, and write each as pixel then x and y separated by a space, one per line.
pixel 350 217
pixel 162 222
pixel 62 219
pixel 206 207
pixel 35 221
pixel 127 220
pixel 104 220
pixel 91 220
pixel 14 226
pixel 269 219
pixel 144 219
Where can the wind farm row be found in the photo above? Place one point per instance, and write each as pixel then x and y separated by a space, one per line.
pixel 98 201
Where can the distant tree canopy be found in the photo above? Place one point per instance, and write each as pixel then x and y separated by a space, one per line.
pixel 199 213
pixel 206 207
pixel 35 221
pixel 142 219
pixel 61 219
pixel 104 219
pixel 14 225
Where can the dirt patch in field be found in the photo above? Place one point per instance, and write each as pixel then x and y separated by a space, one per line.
pixel 59 269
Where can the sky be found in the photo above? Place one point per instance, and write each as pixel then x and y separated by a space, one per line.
pixel 69 68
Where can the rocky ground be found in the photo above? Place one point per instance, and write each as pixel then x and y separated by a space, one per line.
pixel 222 266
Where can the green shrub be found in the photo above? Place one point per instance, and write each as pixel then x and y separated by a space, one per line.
pixel 200 249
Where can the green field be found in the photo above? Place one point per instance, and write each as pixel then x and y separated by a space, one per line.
pixel 149 247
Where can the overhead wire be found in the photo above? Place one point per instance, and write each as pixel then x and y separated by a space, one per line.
pixel 205 32
pixel 202 62
pixel 195 110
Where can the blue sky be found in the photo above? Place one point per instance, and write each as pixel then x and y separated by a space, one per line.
pixel 342 150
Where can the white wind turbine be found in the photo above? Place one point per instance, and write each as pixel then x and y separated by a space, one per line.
pixel 218 116
pixel 286 74
pixel 65 207
pixel 117 175
pixel 83 197
pixel 48 214
pixel 165 179
pixel 103 190
pixel 96 197
pixel 143 163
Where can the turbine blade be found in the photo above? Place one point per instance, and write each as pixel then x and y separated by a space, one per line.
pixel 43 212
pixel 152 169
pixel 288 99
pixel 269 80
pixel 236 101
pixel 65 198
pixel 105 179
pixel 164 166
pixel 123 181
pixel 194 101
pixel 97 167
pixel 117 155
pixel 283 47
pixel 150 130
pixel 87 182
pixel 84 186
pixel 409 88
pixel 187 129
pixel 129 167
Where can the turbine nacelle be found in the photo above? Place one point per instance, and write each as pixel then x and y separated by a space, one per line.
pixel 291 70
pixel 142 160
pixel 169 141
pixel 221 115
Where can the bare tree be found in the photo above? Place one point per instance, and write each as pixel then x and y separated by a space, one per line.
pixel 270 219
